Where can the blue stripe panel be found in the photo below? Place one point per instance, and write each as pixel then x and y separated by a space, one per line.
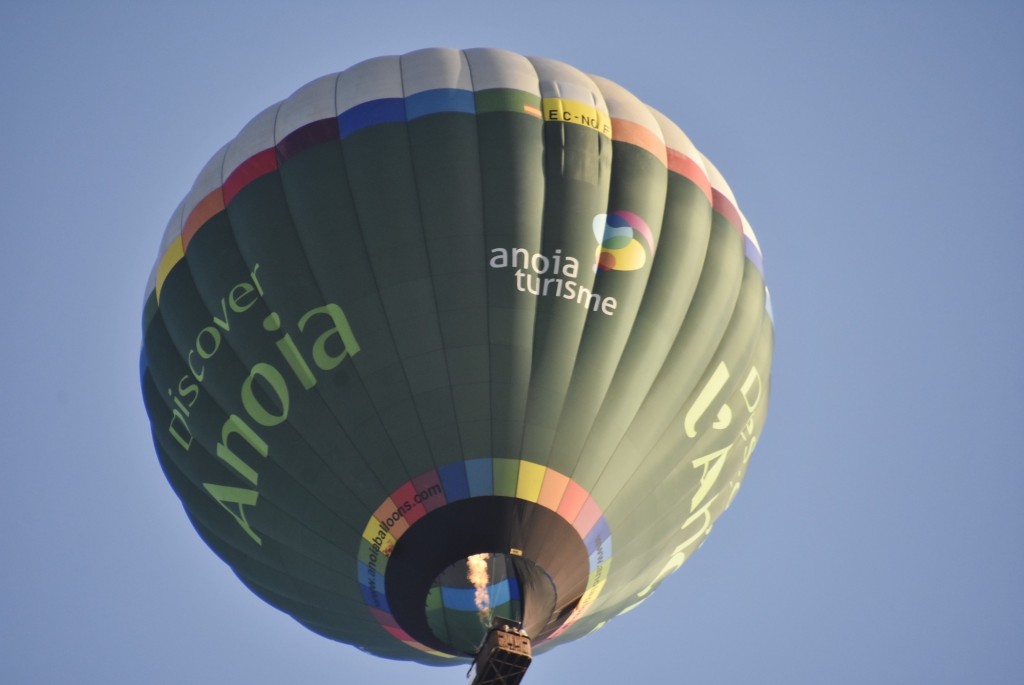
pixel 464 599
pixel 480 474
pixel 600 530
pixel 374 598
pixel 440 100
pixel 383 111
pixel 753 255
pixel 596 559
pixel 453 480
pixel 600 555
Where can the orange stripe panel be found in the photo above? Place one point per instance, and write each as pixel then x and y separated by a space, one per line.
pixel 641 136
pixel 209 206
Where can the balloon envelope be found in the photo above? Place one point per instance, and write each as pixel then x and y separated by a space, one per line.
pixel 452 336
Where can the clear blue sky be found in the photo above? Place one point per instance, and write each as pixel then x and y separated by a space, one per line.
pixel 877 149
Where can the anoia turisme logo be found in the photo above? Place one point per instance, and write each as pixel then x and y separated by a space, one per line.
pixel 624 243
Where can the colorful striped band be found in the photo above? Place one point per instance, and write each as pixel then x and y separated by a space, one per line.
pixel 446 100
pixel 511 478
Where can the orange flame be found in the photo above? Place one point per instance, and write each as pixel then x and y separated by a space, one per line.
pixel 478 575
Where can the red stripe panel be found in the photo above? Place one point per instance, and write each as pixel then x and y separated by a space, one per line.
pixel 726 208
pixel 587 517
pixel 260 164
pixel 684 166
pixel 572 501
pixel 383 617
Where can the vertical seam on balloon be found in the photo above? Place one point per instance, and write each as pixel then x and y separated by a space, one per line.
pixel 483 242
pixel 228 344
pixel 589 314
pixel 561 408
pixel 433 285
pixel 688 399
pixel 750 353
pixel 328 408
pixel 594 92
pixel 283 569
pixel 671 419
pixel 533 301
pixel 575 374
pixel 669 355
pixel 627 344
pixel 370 263
pixel 520 411
pixel 279 559
pixel 672 345
pixel 214 397
pixel 376 289
pixel 194 483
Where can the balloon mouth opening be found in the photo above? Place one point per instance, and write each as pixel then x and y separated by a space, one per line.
pixel 474 594
pixel 468 562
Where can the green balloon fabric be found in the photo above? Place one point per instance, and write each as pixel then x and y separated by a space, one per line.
pixel 451 336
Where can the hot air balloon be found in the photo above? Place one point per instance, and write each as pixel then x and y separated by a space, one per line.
pixel 455 339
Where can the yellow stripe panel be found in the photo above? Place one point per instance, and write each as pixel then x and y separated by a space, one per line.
pixel 572 112
pixel 531 476
pixel 589 596
pixel 375 531
pixel 175 253
pixel 581 608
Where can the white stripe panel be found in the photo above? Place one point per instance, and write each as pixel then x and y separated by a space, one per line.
pixel 313 102
pixel 718 182
pixel 493 68
pixel 373 79
pixel 622 104
pixel 435 68
pixel 171 233
pixel 559 80
pixel 257 136
pixel 748 231
pixel 209 179
pixel 173 230
pixel 676 139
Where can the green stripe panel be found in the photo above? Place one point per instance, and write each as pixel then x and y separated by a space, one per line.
pixel 507 100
